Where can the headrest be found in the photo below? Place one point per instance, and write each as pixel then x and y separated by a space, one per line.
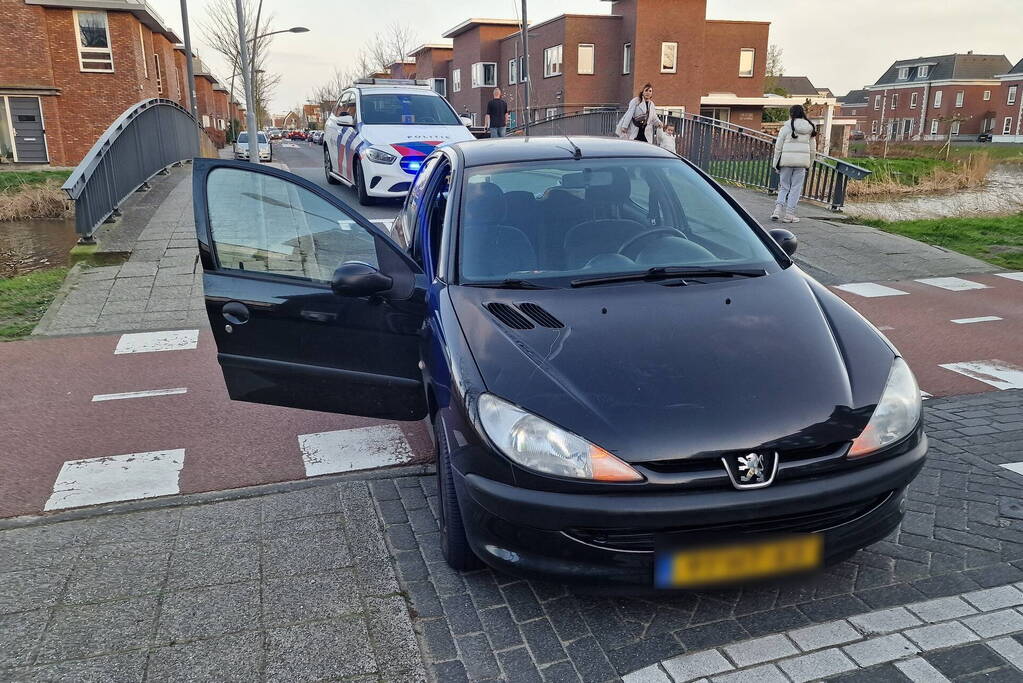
pixel 618 191
pixel 484 203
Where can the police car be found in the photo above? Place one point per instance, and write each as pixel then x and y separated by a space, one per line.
pixel 380 132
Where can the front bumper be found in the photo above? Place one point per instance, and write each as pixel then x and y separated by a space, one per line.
pixel 537 533
pixel 386 180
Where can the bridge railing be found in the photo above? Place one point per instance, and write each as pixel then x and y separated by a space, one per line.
pixel 143 141
pixel 723 150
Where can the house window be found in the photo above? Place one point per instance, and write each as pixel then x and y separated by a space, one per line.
pixel 484 75
pixel 907 127
pixel 959 98
pixel 669 58
pixel 159 73
pixel 987 95
pixel 94 42
pixel 142 51
pixel 523 70
pixel 551 112
pixel 552 61
pixel 627 58
pixel 903 73
pixel 873 127
pixel 895 100
pixel 747 56
pixel 912 100
pixel 1007 126
pixel 955 127
pixel 456 80
pixel 877 101
pixel 585 58
pixel 1012 94
pixel 937 99
pixel 513 71
pixel 440 86
pixel 934 126
pixel 205 121
pixel 923 71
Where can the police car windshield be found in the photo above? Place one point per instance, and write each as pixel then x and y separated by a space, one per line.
pixel 403 109
pixel 244 138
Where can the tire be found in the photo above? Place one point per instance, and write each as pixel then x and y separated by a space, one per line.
pixel 453 542
pixel 360 184
pixel 328 167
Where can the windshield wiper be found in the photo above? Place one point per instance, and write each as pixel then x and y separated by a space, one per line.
pixel 508 284
pixel 667 272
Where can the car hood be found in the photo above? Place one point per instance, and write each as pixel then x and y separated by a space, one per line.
pixel 412 140
pixel 656 372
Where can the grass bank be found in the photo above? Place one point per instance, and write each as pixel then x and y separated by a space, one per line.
pixel 995 239
pixel 24 299
pixel 1001 153
pixel 894 176
pixel 33 194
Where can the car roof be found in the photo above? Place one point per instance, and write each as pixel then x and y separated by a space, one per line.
pixel 534 148
pixel 395 89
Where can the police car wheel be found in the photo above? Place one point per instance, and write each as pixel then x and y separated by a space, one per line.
pixel 327 167
pixel 360 184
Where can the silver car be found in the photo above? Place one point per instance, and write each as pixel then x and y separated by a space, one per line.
pixel 241 146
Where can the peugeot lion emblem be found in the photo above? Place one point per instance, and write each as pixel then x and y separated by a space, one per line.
pixel 751 470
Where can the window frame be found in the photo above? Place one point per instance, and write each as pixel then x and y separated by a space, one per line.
pixel 626 58
pixel 954 130
pixel 903 73
pixel 895 101
pixel 444 81
pixel 159 74
pixel 523 71
pixel 987 96
pixel 1010 94
pixel 1007 126
pixel 78 42
pixel 960 98
pixel 513 71
pixel 935 124
pixel 478 72
pixel 674 66
pixel 873 126
pixel 937 99
pixel 877 102
pixel 923 71
pixel 752 64
pixel 579 59
pixel 456 80
pixel 548 63
pixel 142 46
pixel 913 100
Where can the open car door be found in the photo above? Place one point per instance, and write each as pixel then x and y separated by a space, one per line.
pixel 311 305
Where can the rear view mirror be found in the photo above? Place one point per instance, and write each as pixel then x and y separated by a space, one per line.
pixel 345 120
pixel 786 240
pixel 355 278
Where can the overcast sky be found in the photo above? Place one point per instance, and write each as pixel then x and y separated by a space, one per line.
pixel 837 44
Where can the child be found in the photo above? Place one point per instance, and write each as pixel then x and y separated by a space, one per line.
pixel 666 137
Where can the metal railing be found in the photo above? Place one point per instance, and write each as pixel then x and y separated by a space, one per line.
pixel 147 138
pixel 722 150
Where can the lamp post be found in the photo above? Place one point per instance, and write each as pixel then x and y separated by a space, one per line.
pixel 188 59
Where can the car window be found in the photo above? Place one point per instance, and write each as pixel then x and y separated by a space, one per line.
pixel 264 224
pixel 413 202
pixel 407 109
pixel 243 138
pixel 563 219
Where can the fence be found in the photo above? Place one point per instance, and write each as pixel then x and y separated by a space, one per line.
pixel 143 141
pixel 722 150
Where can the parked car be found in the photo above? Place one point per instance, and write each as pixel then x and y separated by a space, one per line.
pixel 381 131
pixel 316 137
pixel 275 133
pixel 296 135
pixel 629 379
pixel 857 135
pixel 241 146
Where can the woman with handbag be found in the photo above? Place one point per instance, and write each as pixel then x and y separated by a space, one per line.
pixel 794 152
pixel 640 121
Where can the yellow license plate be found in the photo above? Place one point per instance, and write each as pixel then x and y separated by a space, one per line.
pixel 738 562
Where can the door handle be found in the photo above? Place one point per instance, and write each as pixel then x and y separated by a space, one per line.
pixel 235 313
pixel 318 316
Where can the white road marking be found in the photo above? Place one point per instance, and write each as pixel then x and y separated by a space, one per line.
pixel 346 450
pixel 954 284
pixel 997 373
pixel 870 289
pixel 981 319
pixel 1011 276
pixel 139 394
pixel 1016 467
pixel 145 342
pixel 119 477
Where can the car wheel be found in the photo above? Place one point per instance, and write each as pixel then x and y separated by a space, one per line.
pixel 360 184
pixel 328 167
pixel 453 542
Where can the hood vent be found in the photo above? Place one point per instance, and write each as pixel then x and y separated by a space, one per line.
pixel 509 316
pixel 541 316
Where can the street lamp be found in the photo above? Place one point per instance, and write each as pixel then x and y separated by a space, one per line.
pixel 294 29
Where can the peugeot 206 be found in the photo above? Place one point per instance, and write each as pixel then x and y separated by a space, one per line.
pixel 629 380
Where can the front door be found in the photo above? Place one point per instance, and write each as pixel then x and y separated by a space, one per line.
pixel 289 331
pixel 29 140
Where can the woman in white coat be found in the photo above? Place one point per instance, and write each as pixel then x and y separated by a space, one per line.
pixel 640 121
pixel 794 152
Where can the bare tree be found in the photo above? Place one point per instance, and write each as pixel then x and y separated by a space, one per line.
pixel 775 68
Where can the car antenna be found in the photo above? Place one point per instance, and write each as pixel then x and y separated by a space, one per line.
pixel 577 153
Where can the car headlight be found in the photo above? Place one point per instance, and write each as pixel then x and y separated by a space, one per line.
pixel 896 415
pixel 380 156
pixel 538 445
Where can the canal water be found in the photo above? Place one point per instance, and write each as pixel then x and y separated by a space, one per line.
pixel 31 245
pixel 1001 193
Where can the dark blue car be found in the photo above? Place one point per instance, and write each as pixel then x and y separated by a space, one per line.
pixel 629 380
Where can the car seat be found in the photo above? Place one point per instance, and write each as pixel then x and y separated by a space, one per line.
pixel 489 248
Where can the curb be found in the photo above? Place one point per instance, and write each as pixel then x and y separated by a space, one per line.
pixel 70 280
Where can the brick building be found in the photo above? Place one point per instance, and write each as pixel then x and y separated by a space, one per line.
pixel 932 98
pixel 433 63
pixel 587 61
pixel 854 106
pixel 69 68
pixel 1008 106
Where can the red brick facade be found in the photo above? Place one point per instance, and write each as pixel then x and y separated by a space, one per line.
pixel 1008 106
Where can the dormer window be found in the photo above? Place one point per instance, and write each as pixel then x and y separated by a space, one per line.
pixel 923 71
pixel 903 73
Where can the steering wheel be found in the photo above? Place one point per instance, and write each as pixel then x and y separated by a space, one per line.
pixel 647 235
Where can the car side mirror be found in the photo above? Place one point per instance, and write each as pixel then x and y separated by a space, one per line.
pixel 466 121
pixel 355 278
pixel 345 120
pixel 786 240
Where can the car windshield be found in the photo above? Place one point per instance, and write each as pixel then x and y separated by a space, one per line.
pixel 565 220
pixel 243 138
pixel 401 108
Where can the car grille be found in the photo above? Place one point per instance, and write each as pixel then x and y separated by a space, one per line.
pixel 643 540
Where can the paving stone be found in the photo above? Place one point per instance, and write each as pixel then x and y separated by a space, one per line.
pixel 1010 649
pixel 308 597
pixel 304 553
pixel 964 660
pixel 590 661
pixel 461 614
pixel 884 621
pixel 767 673
pixel 118 575
pixel 123 667
pixel 880 649
pixel 940 635
pixel 206 612
pixel 322 650
pixel 477 656
pixel 919 670
pixel 650 674
pixel 760 650
pixel 453 671
pixel 696 665
pixel 518 666
pixel 824 635
pixel 543 642
pixel 18 635
pixel 394 641
pixel 440 645
pixel 89 630
pixel 941 609
pixel 227 514
pixel 214 564
pixel 995 598
pixel 138 526
pixel 816 665
pixel 995 624
pixel 32 588
pixel 500 628
pixel 237 658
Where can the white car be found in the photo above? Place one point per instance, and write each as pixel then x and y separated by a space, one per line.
pixel 380 132
pixel 241 146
